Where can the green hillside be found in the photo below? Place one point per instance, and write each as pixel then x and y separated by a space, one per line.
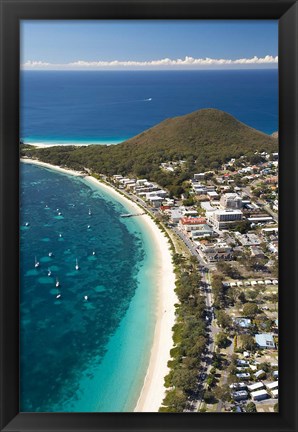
pixel 204 138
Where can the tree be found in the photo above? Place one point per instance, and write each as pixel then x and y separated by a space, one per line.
pixel 185 379
pixel 211 380
pixel 242 297
pixel 189 201
pixel 222 393
pixel 247 342
pixel 250 309
pixel 253 294
pixel 251 407
pixel 223 319
pixel 175 400
pixel 222 340
pixel 193 262
pixel 209 397
pixel 266 367
pixel 243 226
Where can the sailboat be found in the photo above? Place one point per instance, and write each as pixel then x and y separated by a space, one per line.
pixel 49 272
pixel 77 264
pixel 36 263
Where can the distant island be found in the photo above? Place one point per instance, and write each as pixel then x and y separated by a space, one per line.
pixel 204 139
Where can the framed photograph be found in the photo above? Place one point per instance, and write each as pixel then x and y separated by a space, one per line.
pixel 148 215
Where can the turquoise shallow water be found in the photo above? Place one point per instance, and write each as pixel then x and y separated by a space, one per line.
pixel 76 355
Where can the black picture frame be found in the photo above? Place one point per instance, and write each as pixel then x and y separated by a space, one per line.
pixel 12 11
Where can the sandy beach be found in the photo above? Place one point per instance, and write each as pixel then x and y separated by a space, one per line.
pixel 153 390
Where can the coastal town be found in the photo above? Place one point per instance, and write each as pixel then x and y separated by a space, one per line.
pixel 226 227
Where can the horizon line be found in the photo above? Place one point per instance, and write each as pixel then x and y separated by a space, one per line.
pixel 188 63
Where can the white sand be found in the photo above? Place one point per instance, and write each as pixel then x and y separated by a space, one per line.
pixel 153 390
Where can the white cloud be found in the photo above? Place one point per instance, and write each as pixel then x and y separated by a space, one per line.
pixel 189 62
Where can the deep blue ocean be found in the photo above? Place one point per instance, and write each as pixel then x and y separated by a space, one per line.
pixel 79 355
pixel 108 107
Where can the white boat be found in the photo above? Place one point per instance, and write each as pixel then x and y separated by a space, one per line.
pixel 58 296
pixel 36 263
pixel 60 235
pixel 93 253
pixel 27 224
pixel 59 214
pixel 77 265
pixel 49 272
pixel 50 254
pixel 89 212
pixel 85 298
pixel 57 283
pixel 88 226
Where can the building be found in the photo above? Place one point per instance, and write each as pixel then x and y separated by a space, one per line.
pixel 212 195
pixel 272 385
pixel 255 387
pixel 242 322
pixel 260 373
pixel 231 201
pixel 199 176
pixel 238 386
pixel 176 214
pixel 155 201
pixel 259 395
pixel 240 395
pixel 216 251
pixel 274 394
pixel 248 239
pixel 265 340
pixel 256 252
pixel 260 219
pixel 243 363
pixel 199 189
pixel 244 376
pixel 191 223
pixel 223 218
pixel 203 230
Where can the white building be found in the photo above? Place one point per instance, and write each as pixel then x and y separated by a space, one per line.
pixel 240 395
pixel 272 385
pixel 259 395
pixel 199 176
pixel 223 218
pixel 231 201
pixel 275 393
pixel 256 386
pixel 212 195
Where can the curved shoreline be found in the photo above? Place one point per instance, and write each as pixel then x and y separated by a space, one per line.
pixel 153 390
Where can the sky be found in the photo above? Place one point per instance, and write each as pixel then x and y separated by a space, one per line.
pixel 170 44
